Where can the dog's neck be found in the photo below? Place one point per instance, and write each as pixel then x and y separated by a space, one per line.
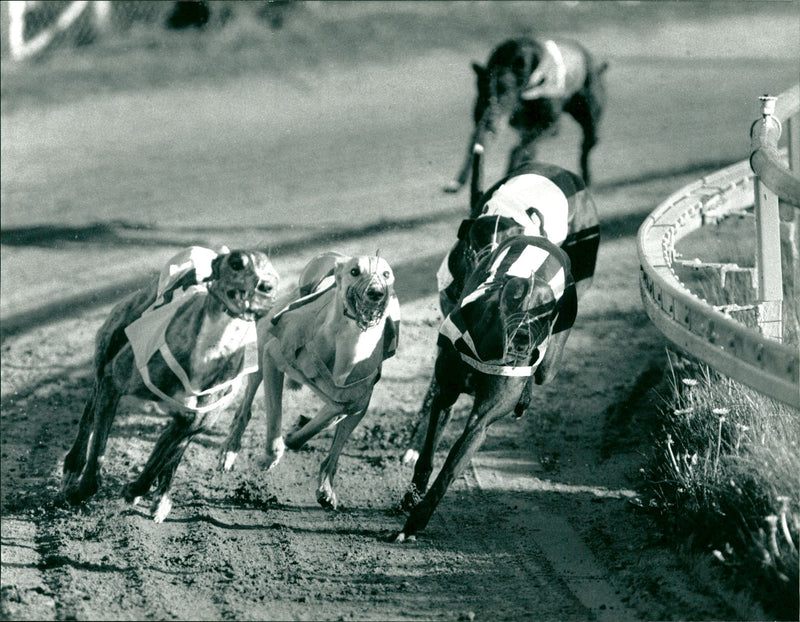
pixel 220 335
pixel 342 343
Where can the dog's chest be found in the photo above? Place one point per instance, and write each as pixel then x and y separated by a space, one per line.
pixel 217 340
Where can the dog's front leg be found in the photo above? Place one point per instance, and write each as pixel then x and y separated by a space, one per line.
pixel 273 397
pixel 163 504
pixel 478 138
pixel 166 452
pixel 326 496
pixel 495 399
pixel 233 444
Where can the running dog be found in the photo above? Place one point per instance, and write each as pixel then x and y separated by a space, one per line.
pixel 508 292
pixel 530 82
pixel 536 199
pixel 186 340
pixel 332 334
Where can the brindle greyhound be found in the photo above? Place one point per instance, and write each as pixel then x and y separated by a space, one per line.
pixel 183 341
pixel 510 305
pixel 530 82
pixel 332 334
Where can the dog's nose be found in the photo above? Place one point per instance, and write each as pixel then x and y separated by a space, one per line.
pixel 375 294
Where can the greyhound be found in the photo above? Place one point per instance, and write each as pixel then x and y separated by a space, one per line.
pixel 184 340
pixel 332 334
pixel 509 297
pixel 530 82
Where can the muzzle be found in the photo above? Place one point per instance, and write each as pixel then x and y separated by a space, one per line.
pixel 523 333
pixel 245 287
pixel 367 298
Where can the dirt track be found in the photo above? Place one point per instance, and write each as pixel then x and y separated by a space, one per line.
pixel 540 528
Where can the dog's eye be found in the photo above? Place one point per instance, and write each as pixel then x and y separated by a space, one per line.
pixel 355 271
pixel 237 261
pixel 386 274
pixel 264 288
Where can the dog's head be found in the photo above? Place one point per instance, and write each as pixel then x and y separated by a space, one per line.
pixel 527 308
pixel 487 232
pixel 512 301
pixel 245 282
pixel 366 284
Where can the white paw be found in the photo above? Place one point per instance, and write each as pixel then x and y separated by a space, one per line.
pixel 162 508
pixel 410 457
pixel 275 453
pixel 228 459
pixel 402 537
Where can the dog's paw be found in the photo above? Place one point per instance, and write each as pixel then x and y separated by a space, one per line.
pixel 275 453
pixel 410 457
pixel 327 498
pixel 161 508
pixel 401 537
pixel 452 187
pixel 227 460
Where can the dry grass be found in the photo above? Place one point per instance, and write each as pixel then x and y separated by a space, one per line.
pixel 724 476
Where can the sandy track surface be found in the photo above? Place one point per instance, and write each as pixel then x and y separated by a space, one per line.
pixel 540 528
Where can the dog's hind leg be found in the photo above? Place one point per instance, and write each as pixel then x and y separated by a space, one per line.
pixel 326 496
pixel 586 107
pixel 75 460
pixel 440 410
pixel 233 443
pixel 329 414
pixel 418 434
pixel 104 410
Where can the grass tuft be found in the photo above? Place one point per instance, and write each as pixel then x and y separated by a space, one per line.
pixel 724 475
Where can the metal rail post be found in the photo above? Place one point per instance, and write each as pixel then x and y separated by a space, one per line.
pixel 768 241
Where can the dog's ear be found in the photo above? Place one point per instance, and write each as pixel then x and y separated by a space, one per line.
pixel 479 70
pixel 463 228
pixel 216 264
pixel 338 267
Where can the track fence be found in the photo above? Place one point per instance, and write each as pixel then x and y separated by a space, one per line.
pixel 745 339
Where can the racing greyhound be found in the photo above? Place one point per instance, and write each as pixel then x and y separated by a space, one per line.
pixel 530 81
pixel 185 340
pixel 509 304
pixel 332 334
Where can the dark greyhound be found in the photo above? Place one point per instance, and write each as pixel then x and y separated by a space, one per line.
pixel 511 302
pixel 183 340
pixel 530 82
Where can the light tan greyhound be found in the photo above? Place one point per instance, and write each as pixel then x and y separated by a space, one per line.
pixel 332 334
pixel 184 341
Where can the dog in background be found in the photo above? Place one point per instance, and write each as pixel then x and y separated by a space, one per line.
pixel 508 292
pixel 185 340
pixel 530 81
pixel 331 334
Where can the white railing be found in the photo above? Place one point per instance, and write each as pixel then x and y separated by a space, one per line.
pixel 745 354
